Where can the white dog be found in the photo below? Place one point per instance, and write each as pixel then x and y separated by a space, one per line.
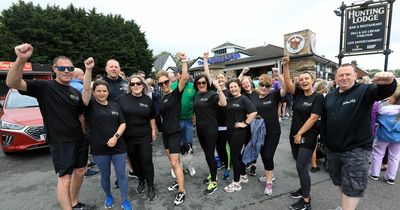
pixel 186 160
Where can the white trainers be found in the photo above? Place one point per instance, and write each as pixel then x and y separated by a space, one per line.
pixel 244 179
pixel 268 188
pixel 263 178
pixel 232 187
pixel 173 173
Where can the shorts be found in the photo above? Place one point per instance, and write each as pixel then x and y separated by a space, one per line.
pixel 69 155
pixel 187 129
pixel 172 142
pixel 349 170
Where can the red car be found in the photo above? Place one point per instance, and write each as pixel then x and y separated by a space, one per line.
pixel 21 124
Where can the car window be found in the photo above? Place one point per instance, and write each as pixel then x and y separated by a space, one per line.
pixel 16 101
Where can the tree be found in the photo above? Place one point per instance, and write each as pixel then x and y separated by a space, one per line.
pixel 76 33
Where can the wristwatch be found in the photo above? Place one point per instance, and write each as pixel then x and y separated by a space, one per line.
pixel 117 135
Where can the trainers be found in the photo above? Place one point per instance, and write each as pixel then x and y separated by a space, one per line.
pixel 268 188
pixel 263 178
pixel 314 169
pixel 226 175
pixel 91 164
pixel 151 194
pixel 375 178
pixel 180 197
pixel 390 181
pixel 80 206
pixel 116 184
pixel 252 171
pixel 126 205
pixel 140 188
pixel 91 172
pixel 131 174
pixel 244 179
pixel 173 187
pixel 173 173
pixel 296 194
pixel 232 187
pixel 301 205
pixel 109 202
pixel 211 188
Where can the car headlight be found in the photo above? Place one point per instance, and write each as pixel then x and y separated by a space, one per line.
pixel 11 126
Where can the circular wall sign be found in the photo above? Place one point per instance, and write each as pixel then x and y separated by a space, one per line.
pixel 295 43
pixel 313 40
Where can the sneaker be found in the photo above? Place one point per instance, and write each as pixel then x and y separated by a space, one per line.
pixel 314 169
pixel 232 187
pixel 375 178
pixel 116 184
pixel 268 188
pixel 91 164
pixel 173 187
pixel 220 165
pixel 301 205
pixel 248 166
pixel 296 194
pixel 211 188
pixel 191 170
pixel 126 205
pixel 180 197
pixel 226 175
pixel 263 178
pixel 173 173
pixel 252 171
pixel 131 174
pixel 151 194
pixel 91 172
pixel 109 202
pixel 244 179
pixel 207 180
pixel 80 206
pixel 140 188
pixel 390 181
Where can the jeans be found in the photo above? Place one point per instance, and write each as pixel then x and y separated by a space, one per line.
pixel 187 131
pixel 378 151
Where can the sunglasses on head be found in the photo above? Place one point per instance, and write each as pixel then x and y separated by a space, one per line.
pixel 163 83
pixel 264 85
pixel 62 68
pixel 201 83
pixel 135 83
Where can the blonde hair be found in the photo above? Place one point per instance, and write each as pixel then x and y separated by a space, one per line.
pixel 162 73
pixel 321 86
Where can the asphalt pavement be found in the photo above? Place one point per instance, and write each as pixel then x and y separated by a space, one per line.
pixel 27 181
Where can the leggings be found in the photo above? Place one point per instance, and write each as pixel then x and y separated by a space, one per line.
pixel 208 139
pixel 236 140
pixel 141 156
pixel 221 148
pixel 271 141
pixel 302 162
pixel 104 164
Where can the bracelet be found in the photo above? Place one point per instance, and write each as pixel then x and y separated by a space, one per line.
pixel 246 123
pixel 117 135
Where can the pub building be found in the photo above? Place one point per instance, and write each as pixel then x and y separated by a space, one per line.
pixel 300 46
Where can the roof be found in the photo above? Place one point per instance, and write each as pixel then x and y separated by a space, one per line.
pixel 226 44
pixel 259 53
pixel 160 61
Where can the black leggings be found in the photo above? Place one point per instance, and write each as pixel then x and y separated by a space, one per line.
pixel 236 140
pixel 208 139
pixel 221 147
pixel 302 162
pixel 271 141
pixel 141 158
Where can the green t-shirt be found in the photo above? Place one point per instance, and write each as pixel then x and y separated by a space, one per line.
pixel 187 100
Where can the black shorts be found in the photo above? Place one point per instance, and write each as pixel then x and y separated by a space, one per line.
pixel 349 170
pixel 69 155
pixel 172 142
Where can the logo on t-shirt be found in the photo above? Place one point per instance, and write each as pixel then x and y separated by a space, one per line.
pixel 349 102
pixel 165 100
pixel 143 105
pixel 266 102
pixel 203 99
pixel 74 97
pixel 236 105
pixel 114 113
pixel 307 104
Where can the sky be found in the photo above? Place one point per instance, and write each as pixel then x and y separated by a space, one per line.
pixel 195 27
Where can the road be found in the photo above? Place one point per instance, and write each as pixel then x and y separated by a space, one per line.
pixel 27 181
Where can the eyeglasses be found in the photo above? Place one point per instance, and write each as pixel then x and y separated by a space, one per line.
pixel 201 83
pixel 62 68
pixel 264 85
pixel 163 83
pixel 135 84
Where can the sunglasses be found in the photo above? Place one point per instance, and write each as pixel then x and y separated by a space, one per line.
pixel 135 84
pixel 201 83
pixel 163 83
pixel 62 68
pixel 264 85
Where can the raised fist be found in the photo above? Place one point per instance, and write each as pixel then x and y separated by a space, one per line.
pixel 182 56
pixel 285 60
pixel 24 51
pixel 205 55
pixel 89 63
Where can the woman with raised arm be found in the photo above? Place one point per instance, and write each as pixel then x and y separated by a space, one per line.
pixel 170 109
pixel 106 126
pixel 307 108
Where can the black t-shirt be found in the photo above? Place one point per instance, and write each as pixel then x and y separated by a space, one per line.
pixel 253 96
pixel 303 107
pixel 267 108
pixel 206 108
pixel 221 114
pixel 237 109
pixel 103 122
pixel 60 106
pixel 138 111
pixel 170 109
